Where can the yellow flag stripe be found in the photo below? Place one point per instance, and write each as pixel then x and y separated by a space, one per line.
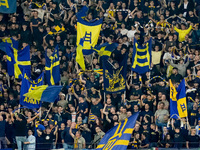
pixel 100 146
pixel 122 142
pixel 128 131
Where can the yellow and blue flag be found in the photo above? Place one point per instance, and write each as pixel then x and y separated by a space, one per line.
pixel 88 30
pixel 178 105
pixel 79 55
pixel 52 67
pixel 118 137
pixel 105 49
pixel 8 6
pixel 44 93
pixel 115 78
pixel 141 57
pixel 28 85
pixel 17 60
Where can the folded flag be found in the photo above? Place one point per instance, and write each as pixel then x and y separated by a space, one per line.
pixel 118 137
pixel 44 93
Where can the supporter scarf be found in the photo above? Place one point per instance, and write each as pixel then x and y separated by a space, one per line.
pixel 135 145
pixel 199 129
pixel 76 143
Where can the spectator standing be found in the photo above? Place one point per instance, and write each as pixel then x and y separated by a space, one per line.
pixel 31 141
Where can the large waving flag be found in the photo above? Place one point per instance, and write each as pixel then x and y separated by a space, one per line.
pixel 178 105
pixel 88 30
pixel 52 67
pixel 118 137
pixel 28 85
pixel 44 93
pixel 141 57
pixel 115 78
pixel 8 6
pixel 17 60
pixel 105 49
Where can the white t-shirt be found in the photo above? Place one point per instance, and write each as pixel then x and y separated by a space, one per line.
pixel 124 31
pixel 131 34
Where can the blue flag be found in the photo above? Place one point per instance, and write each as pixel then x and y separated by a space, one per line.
pixel 28 85
pixel 3 46
pixel 118 137
pixel 17 60
pixel 105 49
pixel 44 93
pixel 141 57
pixel 115 78
pixel 52 67
pixel 178 105
pixel 8 6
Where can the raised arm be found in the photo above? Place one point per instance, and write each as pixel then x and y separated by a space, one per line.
pixel 70 132
pixel 31 119
pixel 81 79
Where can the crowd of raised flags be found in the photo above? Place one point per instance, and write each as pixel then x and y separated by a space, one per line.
pixel 33 92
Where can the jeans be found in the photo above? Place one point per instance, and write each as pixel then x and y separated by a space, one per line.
pixel 20 140
pixel 153 144
pixel 67 146
pixel 160 125
pixel 3 142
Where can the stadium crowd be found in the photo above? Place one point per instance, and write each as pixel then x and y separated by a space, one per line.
pixel 174 28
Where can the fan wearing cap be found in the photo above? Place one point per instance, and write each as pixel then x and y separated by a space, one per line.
pixel 62 102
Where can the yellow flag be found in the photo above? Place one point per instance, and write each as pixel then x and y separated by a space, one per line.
pixel 79 57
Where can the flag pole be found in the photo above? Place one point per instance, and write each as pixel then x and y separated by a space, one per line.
pixel 187 122
pixel 19 108
pixel 48 111
pixel 111 64
pixel 124 95
pixel 131 77
pixel 104 93
pixel 40 113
